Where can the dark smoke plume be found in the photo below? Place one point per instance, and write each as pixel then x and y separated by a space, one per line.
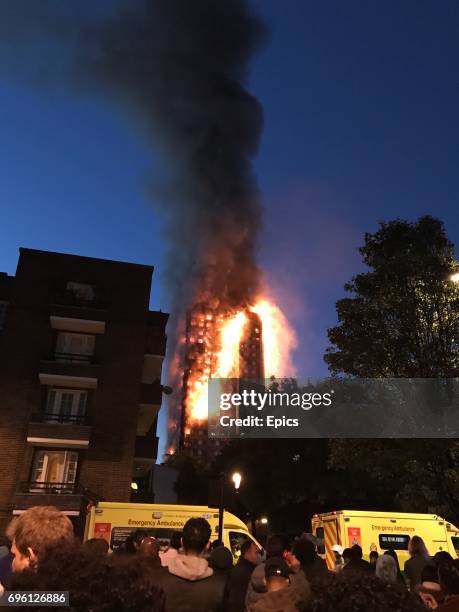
pixel 179 69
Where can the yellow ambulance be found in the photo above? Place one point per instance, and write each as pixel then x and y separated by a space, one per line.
pixel 382 530
pixel 114 521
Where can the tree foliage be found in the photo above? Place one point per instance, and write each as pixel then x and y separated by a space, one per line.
pixel 402 319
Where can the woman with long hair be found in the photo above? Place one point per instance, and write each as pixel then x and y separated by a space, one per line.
pixel 419 556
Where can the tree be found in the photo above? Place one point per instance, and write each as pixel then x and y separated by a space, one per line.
pixel 403 317
pixel 192 481
pixel 402 321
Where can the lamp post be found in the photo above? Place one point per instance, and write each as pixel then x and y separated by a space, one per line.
pixel 454 277
pixel 237 479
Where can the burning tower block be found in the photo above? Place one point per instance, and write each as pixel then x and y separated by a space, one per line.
pixel 214 349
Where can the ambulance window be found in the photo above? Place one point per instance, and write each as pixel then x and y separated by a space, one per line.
pixel 455 542
pixel 237 539
pixel 320 540
pixel 120 534
pixel 396 542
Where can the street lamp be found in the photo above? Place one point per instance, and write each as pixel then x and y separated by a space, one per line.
pixel 454 277
pixel 264 520
pixel 236 478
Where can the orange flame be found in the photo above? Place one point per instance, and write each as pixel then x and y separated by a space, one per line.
pixel 226 334
pixel 279 339
pixel 231 335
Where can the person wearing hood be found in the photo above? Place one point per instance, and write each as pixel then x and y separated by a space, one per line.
pixel 311 564
pixel 236 587
pixel 281 595
pixel 188 581
pixel 386 569
pixel 221 562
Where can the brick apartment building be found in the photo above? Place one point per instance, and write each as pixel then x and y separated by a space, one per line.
pixel 80 369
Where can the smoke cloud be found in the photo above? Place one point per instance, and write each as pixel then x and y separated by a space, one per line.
pixel 178 68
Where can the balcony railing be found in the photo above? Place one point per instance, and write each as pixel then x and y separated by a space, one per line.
pixel 52 417
pixel 49 488
pixel 73 358
pixel 66 297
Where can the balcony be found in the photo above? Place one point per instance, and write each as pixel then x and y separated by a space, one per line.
pixel 69 370
pixel 67 497
pixel 61 419
pixel 69 299
pixel 69 321
pixel 50 488
pixel 59 431
pixel 149 405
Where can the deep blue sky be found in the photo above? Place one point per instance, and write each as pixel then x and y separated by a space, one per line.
pixel 361 124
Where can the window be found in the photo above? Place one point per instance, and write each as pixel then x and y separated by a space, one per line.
pixel 66 405
pixel 81 291
pixel 74 347
pixel 320 540
pixel 237 539
pixel 3 309
pixel 455 542
pixel 54 470
pixel 396 542
pixel 120 534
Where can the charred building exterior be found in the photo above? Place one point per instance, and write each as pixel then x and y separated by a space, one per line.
pixel 81 358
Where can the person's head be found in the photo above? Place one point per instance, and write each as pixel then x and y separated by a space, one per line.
pixel 373 556
pixel 391 552
pixel 337 551
pixel 176 540
pixel 277 545
pixel 277 574
pixel 361 592
pixel 94 581
pixel 442 558
pixel 449 577
pixel 35 530
pixel 347 555
pixel 312 538
pixel 149 547
pixel 97 545
pixel 221 559
pixel 132 543
pixel 250 551
pixel 430 573
pixel 304 551
pixel 196 536
pixel 417 548
pixel 386 569
pixel 215 544
pixel 356 552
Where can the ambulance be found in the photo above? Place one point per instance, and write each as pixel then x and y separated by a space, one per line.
pixel 114 522
pixel 382 530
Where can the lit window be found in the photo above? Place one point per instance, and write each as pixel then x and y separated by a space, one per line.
pixel 55 470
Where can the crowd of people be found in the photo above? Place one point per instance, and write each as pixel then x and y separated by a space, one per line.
pixel 192 574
